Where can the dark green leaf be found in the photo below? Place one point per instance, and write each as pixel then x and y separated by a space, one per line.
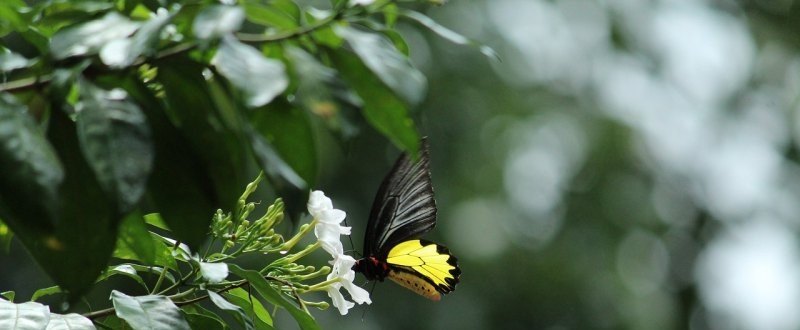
pixel 90 37
pixel 259 78
pixel 283 178
pixel 148 312
pixel 31 171
pixel 265 290
pixel 216 21
pixel 382 109
pixel 121 53
pixel 126 270
pixel 115 139
pixel 44 292
pixel 87 230
pixel 237 311
pixel 202 321
pixel 289 131
pixel 447 33
pixel 8 295
pixel 319 91
pixel 5 237
pixel 25 316
pixel 212 160
pixel 70 321
pixel 179 185
pixel 383 59
pixel 201 318
pixel 252 306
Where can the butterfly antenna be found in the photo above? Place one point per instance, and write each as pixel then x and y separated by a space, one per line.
pixel 350 237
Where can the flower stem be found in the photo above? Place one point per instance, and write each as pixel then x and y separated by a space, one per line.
pixel 304 229
pixel 322 286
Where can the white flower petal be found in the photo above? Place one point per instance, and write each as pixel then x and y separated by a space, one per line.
pixel 214 272
pixel 332 216
pixel 338 300
pixel 318 202
pixel 358 293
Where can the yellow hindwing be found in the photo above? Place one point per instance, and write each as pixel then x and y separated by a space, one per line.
pixel 423 267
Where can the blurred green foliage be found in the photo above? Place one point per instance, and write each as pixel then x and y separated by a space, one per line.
pixel 584 181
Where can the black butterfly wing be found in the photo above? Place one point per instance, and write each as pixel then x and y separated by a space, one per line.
pixel 404 207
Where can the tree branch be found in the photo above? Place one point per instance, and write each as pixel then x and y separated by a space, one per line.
pixel 33 82
pixel 108 311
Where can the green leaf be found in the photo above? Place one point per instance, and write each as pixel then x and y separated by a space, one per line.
pixel 383 59
pixel 202 321
pixel 134 241
pixel 148 312
pixel 126 270
pixel 25 316
pixel 45 292
pixel 121 53
pixel 290 186
pixel 216 21
pixel 448 34
pixel 88 38
pixel 259 78
pixel 189 153
pixel 237 311
pixel 382 109
pixel 314 91
pixel 70 321
pixel 31 171
pixel 252 306
pixel 6 235
pixel 304 320
pixel 79 249
pixel 116 141
pixel 11 61
pixel 155 219
pixel 8 295
pixel 289 131
pixel 272 15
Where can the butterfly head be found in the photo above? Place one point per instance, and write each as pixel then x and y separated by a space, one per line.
pixel 372 268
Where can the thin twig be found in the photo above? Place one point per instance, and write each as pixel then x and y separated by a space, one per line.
pixel 110 310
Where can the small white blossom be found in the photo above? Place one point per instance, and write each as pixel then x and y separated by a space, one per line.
pixel 328 228
pixel 214 272
pixel 318 202
pixel 343 270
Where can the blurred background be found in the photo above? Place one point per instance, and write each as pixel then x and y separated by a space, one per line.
pixel 627 164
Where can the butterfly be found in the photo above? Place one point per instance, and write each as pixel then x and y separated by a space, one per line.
pixel 403 210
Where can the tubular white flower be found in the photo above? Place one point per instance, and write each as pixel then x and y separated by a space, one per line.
pixel 328 219
pixel 343 270
pixel 318 202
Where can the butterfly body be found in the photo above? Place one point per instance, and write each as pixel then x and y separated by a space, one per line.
pixel 403 210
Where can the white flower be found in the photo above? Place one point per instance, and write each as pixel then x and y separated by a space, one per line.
pixel 328 228
pixel 343 270
pixel 318 202
pixel 214 272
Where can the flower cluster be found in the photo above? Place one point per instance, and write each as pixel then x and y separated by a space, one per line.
pixel 328 229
